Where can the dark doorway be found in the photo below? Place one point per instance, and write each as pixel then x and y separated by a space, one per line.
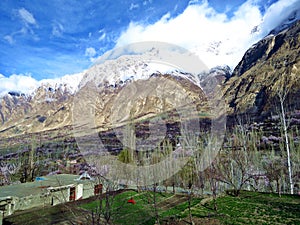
pixel 98 189
pixel 72 194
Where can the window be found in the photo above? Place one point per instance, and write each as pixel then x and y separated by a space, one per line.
pixel 98 189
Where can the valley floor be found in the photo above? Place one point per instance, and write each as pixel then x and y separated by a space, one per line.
pixel 248 208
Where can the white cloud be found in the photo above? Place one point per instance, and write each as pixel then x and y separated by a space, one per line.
pixel 27 84
pixel 202 30
pixel 277 12
pixel 193 2
pixel 90 52
pixel 23 31
pixel 102 34
pixel 28 21
pixel 9 39
pixel 214 37
pixel 133 6
pixel 26 16
pixel 57 29
pixel 20 83
pixel 102 37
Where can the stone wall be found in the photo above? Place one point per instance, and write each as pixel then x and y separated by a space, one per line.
pixel 59 196
pixel 32 201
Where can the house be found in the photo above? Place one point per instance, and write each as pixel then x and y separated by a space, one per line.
pixel 48 190
pixel 73 167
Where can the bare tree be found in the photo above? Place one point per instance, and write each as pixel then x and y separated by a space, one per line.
pixel 274 167
pixel 237 165
pixel 29 163
pixel 188 178
pixel 106 211
pixel 282 93
pixel 295 158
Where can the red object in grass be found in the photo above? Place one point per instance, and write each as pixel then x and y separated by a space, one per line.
pixel 131 200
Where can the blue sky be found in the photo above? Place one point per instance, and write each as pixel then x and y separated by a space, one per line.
pixel 48 39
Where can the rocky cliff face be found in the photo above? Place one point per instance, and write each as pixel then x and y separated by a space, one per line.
pixel 47 109
pixel 267 68
pixel 52 108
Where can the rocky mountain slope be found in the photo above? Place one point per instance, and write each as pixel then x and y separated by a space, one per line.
pixel 48 108
pixel 268 68
pixel 52 107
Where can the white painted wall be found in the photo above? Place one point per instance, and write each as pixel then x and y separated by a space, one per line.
pixel 79 193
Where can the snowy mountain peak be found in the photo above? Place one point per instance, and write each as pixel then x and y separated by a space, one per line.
pixel 130 67
pixel 287 22
pixel 27 86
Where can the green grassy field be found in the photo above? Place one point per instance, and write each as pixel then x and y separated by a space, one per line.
pixel 255 208
pixel 248 208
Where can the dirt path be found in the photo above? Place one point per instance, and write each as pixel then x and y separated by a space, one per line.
pixel 172 202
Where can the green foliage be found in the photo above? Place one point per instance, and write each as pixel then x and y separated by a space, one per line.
pixel 125 156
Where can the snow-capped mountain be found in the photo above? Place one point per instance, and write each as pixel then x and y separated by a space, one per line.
pixel 70 81
pixel 50 106
pixel 26 85
pixel 287 22
pixel 282 23
pixel 132 68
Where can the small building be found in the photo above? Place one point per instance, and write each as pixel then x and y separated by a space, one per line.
pixel 72 166
pixel 48 190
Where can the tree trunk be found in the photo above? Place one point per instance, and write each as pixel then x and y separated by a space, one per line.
pixel 287 145
pixel 190 207
pixel 155 205
pixel 278 187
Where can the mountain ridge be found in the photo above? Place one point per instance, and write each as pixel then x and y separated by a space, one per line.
pixel 255 81
pixel 249 89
